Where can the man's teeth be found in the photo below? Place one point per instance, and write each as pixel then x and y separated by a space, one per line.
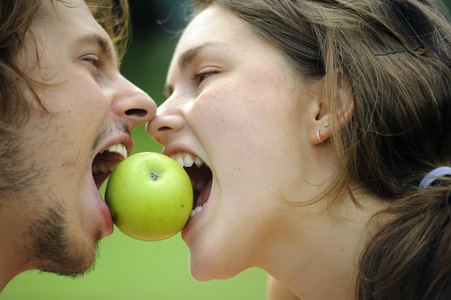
pixel 110 165
pixel 188 160
pixel 119 148
pixel 100 169
pixel 196 211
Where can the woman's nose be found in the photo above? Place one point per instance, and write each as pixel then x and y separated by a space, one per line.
pixel 133 105
pixel 168 121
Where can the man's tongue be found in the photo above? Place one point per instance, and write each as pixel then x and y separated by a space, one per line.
pixel 204 194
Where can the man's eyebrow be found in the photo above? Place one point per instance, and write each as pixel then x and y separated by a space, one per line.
pixel 190 55
pixel 99 41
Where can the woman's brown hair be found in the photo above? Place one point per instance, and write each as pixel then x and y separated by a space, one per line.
pixel 396 56
pixel 16 19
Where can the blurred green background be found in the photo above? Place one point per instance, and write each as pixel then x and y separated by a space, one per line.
pixel 128 269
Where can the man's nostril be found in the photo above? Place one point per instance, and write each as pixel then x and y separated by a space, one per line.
pixel 164 128
pixel 141 113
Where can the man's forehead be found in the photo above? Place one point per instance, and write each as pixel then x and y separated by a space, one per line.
pixel 65 27
pixel 69 20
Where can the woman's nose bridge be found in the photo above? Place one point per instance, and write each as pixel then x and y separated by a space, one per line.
pixel 170 118
pixel 170 114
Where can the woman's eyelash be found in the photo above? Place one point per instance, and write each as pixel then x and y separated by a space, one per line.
pixel 199 77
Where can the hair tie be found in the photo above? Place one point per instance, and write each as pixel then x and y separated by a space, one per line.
pixel 433 176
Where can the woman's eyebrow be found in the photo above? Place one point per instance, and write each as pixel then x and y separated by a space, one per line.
pixel 186 58
pixel 190 55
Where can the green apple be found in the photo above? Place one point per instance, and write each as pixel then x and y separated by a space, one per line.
pixel 150 196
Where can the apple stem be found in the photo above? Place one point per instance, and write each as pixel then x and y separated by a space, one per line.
pixel 154 175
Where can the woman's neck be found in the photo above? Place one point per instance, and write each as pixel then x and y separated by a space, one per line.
pixel 317 255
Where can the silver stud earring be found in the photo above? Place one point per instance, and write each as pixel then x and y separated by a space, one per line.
pixel 317 133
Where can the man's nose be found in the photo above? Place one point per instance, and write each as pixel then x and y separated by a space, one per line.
pixel 133 105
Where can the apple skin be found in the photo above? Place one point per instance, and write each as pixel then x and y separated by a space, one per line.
pixel 150 196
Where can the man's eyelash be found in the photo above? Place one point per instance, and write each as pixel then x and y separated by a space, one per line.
pixel 96 62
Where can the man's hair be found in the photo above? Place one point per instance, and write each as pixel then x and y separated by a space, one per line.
pixel 17 17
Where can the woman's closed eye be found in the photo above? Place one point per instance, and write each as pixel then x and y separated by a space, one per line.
pixel 203 74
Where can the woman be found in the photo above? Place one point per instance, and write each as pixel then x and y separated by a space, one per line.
pixel 306 127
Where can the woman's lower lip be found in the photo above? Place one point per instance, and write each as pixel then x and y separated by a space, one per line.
pixel 203 198
pixel 191 223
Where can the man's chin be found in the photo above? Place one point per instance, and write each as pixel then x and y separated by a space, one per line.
pixel 56 250
pixel 70 274
pixel 74 267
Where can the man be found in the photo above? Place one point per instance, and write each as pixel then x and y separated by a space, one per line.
pixel 65 119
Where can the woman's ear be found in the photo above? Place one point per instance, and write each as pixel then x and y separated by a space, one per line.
pixel 346 109
pixel 326 118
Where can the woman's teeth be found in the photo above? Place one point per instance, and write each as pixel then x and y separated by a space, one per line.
pixel 196 211
pixel 187 160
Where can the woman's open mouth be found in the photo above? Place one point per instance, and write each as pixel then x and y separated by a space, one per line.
pixel 201 178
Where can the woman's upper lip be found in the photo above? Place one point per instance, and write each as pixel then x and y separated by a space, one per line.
pixel 176 148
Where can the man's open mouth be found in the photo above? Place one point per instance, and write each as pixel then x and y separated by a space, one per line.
pixel 105 162
pixel 201 178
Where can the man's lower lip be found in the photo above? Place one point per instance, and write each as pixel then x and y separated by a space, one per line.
pixel 108 221
pixel 101 178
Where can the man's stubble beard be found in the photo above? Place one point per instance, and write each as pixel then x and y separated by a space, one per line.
pixel 56 250
pixel 51 247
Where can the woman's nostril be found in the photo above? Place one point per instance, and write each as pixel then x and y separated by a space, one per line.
pixel 141 113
